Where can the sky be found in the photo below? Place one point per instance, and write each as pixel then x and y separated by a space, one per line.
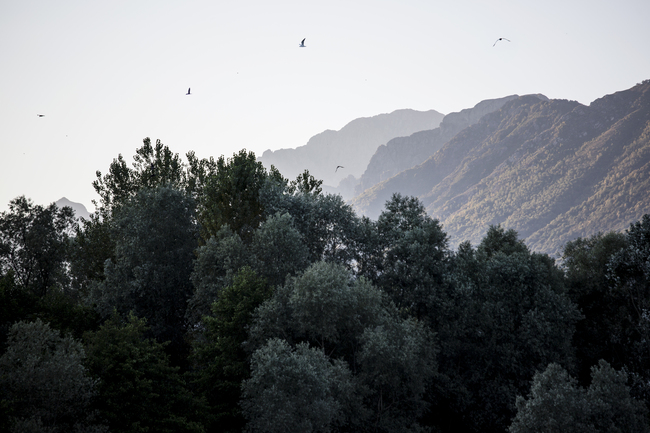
pixel 107 74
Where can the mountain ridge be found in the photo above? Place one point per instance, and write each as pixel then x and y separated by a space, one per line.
pixel 351 147
pixel 540 167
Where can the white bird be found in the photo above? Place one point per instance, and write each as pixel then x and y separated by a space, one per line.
pixel 188 91
pixel 302 44
pixel 500 39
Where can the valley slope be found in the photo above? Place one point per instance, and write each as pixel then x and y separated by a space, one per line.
pixel 551 169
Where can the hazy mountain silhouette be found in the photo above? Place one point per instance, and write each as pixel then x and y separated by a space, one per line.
pixel 552 170
pixel 352 146
pixel 78 208
pixel 402 153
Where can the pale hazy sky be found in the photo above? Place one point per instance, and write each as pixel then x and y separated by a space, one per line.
pixel 107 74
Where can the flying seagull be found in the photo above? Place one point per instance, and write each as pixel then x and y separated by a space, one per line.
pixel 40 115
pixel 302 44
pixel 337 168
pixel 501 39
pixel 188 91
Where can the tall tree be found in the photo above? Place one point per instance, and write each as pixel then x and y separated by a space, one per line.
pixel 221 364
pixel 392 360
pixel 138 389
pixel 232 196
pixel 295 389
pixel 557 403
pixel 47 386
pixel 156 235
pixel 406 254
pixel 506 316
pixel 34 244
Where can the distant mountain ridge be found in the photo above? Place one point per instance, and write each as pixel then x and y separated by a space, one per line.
pixel 552 170
pixel 78 208
pixel 402 153
pixel 351 147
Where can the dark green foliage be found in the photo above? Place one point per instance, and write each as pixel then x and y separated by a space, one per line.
pixel 153 166
pixel 557 404
pixel 506 316
pixel 91 246
pixel 405 253
pixel 232 196
pixel 45 386
pixel 220 360
pixel 35 282
pixel 295 390
pixel 327 224
pixel 155 236
pixel 34 244
pixel 598 333
pixel 498 240
pixel 392 360
pixel 138 389
pixel 609 280
pixel 305 183
pixel 275 252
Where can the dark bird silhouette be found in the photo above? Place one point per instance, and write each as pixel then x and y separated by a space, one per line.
pixel 188 91
pixel 302 44
pixel 337 168
pixel 500 39
pixel 41 115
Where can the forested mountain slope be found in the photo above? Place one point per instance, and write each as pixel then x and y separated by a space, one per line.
pixel 402 153
pixel 552 170
pixel 351 147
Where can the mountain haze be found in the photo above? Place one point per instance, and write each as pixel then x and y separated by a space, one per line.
pixel 78 208
pixel 402 153
pixel 351 147
pixel 552 170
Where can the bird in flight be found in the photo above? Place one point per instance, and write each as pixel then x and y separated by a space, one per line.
pixel 188 91
pixel 302 44
pixel 41 115
pixel 337 168
pixel 500 39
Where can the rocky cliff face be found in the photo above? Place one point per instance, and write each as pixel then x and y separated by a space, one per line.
pixel 552 170
pixel 402 153
pixel 351 147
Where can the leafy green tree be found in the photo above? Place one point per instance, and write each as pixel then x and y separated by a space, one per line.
pixel 557 403
pixel 392 360
pixel 499 240
pixel 305 183
pixel 138 389
pixel 232 196
pixel 153 165
pixel 397 363
pixel 221 364
pixel 46 385
pixel 327 224
pixel 279 249
pixel 506 316
pixel 629 276
pixel 34 269
pixel 598 333
pixel 406 254
pixel 156 235
pixel 295 389
pixel 324 306
pixel 214 268
pixel 34 244
pixel 276 251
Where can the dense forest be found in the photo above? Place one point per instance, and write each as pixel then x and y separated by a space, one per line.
pixel 217 296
